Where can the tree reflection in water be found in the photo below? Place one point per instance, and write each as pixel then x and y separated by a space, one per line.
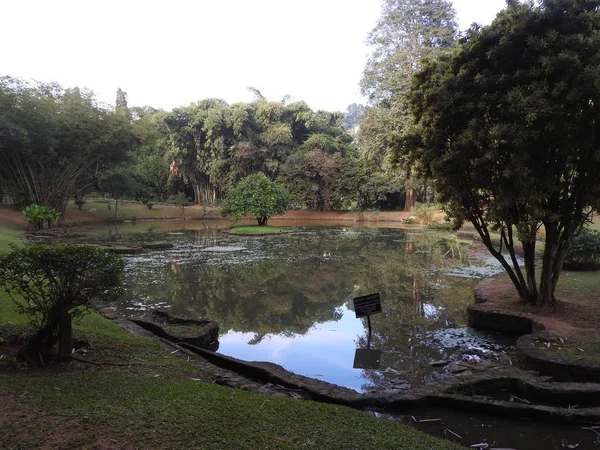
pixel 297 286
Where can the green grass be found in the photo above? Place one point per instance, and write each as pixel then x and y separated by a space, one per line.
pixel 158 402
pixel 573 349
pixel 257 230
pixel 135 210
pixel 9 236
pixel 582 284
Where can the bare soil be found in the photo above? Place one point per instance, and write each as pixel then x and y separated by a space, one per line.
pixel 575 316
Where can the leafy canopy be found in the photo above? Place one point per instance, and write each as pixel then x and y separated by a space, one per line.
pixel 510 128
pixel 56 280
pixel 257 196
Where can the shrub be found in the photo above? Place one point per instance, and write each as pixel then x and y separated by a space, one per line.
pixel 79 201
pixel 37 215
pixel 448 226
pixel 424 212
pixel 584 253
pixel 56 282
pixel 149 205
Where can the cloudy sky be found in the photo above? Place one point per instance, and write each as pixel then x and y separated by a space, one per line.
pixel 168 54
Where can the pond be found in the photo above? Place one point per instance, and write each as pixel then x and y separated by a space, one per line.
pixel 287 299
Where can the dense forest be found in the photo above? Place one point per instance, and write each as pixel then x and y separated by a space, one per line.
pixel 59 143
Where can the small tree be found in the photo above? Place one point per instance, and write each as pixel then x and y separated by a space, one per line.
pixel 118 184
pixel 181 200
pixel 54 283
pixel 258 196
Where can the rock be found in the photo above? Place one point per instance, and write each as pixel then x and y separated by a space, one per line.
pixel 457 367
pixel 440 363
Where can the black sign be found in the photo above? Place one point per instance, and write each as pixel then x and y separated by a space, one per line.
pixel 367 305
pixel 367 359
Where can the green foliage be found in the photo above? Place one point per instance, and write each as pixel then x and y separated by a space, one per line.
pixel 47 282
pixel 258 230
pixel 51 137
pixel 425 213
pixel 213 144
pixel 37 215
pixel 446 226
pixel 505 132
pixel 353 115
pixel 584 253
pixel 257 196
pixel 407 33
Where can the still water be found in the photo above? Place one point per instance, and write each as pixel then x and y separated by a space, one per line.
pixel 287 299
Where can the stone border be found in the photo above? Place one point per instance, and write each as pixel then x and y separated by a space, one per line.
pixel 448 393
pixel 560 368
pixel 272 379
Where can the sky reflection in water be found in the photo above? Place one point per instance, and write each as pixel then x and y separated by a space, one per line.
pixel 287 299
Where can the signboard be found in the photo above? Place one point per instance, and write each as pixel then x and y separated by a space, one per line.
pixel 367 305
pixel 367 359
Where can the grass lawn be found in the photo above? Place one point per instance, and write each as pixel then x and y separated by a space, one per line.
pixel 257 230
pixel 8 236
pixel 584 284
pixel 131 210
pixel 573 349
pixel 140 395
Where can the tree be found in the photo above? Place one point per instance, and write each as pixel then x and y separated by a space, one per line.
pixel 257 196
pixel 407 32
pixel 510 133
pixel 51 138
pixel 50 283
pixel 353 115
pixel 118 183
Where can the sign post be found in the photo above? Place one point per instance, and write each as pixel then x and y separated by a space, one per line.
pixel 365 306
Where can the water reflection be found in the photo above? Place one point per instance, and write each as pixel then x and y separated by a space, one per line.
pixel 286 298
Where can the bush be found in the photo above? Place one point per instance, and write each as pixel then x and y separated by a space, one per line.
pixel 54 283
pixel 447 226
pixel 149 205
pixel 424 212
pixel 37 215
pixel 584 253
pixel 79 201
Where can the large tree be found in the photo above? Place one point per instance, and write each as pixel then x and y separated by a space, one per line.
pixel 407 32
pixel 510 128
pixel 51 136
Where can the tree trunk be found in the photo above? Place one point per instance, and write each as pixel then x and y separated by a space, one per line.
pixel 554 256
pixel 65 342
pixel 262 221
pixel 411 199
pixel 529 257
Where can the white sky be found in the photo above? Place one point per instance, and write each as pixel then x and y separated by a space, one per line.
pixel 168 54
